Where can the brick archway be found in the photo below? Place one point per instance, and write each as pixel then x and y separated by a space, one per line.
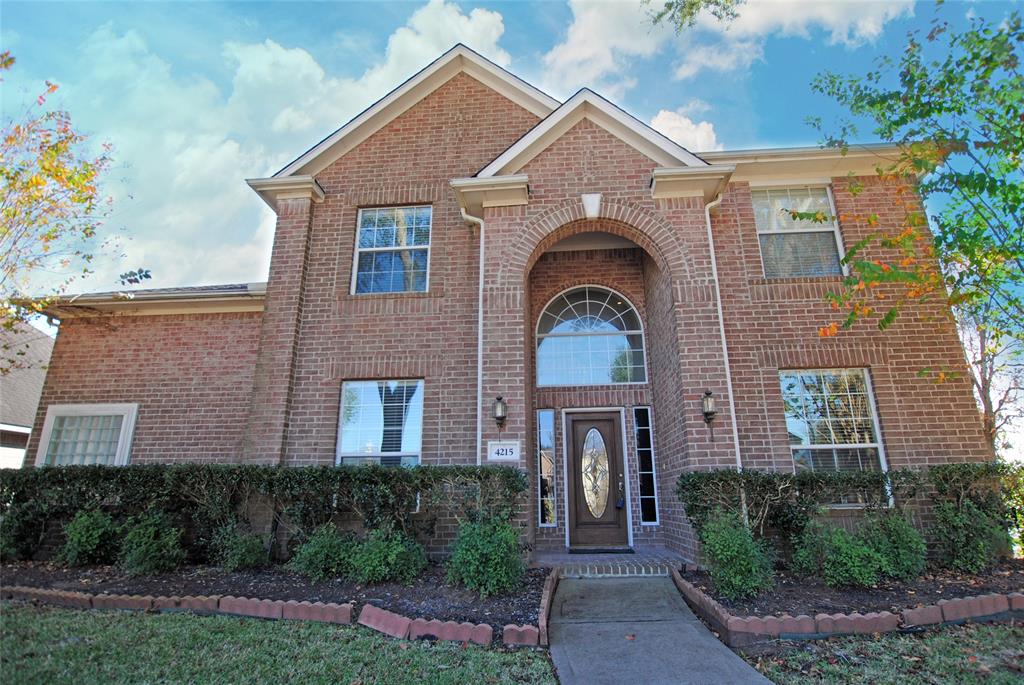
pixel 624 219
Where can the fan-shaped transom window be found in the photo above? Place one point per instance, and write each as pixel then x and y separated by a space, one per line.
pixel 590 336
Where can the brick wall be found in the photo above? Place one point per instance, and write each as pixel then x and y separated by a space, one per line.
pixel 190 374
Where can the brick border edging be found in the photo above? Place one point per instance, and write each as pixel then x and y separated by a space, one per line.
pixel 739 631
pixel 546 598
pixel 370 616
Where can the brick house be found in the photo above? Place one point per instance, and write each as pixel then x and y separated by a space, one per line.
pixel 468 238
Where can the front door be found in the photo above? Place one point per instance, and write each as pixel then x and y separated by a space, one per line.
pixel 597 494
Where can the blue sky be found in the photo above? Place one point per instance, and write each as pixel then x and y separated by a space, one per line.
pixel 195 97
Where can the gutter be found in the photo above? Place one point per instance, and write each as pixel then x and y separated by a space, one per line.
pixel 721 329
pixel 479 339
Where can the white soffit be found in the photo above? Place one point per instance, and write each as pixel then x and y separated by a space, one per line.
pixel 804 164
pixel 586 104
pixel 458 59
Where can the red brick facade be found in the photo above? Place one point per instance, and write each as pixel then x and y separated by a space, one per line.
pixel 266 388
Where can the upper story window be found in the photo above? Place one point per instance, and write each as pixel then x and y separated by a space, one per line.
pixel 392 250
pixel 831 419
pixel 590 336
pixel 792 247
pixel 84 434
pixel 381 422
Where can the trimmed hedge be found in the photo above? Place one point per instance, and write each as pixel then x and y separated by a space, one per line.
pixel 204 498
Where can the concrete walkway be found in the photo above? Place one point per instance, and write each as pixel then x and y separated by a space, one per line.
pixel 638 631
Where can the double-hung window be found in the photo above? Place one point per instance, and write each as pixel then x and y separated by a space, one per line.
pixel 791 247
pixel 392 250
pixel 831 419
pixel 381 422
pixel 86 434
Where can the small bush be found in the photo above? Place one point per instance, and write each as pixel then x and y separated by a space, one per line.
pixel 485 557
pixel 238 551
pixel 967 539
pixel 152 544
pixel 387 554
pixel 327 554
pixel 838 556
pixel 91 537
pixel 21 528
pixel 739 565
pixel 899 544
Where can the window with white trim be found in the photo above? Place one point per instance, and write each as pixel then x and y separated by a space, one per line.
pixel 86 434
pixel 381 422
pixel 644 435
pixel 392 250
pixel 831 419
pixel 590 336
pixel 794 247
pixel 547 516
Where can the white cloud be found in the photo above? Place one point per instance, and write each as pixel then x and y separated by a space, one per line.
pixel 600 45
pixel 731 55
pixel 735 46
pixel 695 136
pixel 183 146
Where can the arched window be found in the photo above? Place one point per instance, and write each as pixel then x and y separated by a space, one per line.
pixel 590 336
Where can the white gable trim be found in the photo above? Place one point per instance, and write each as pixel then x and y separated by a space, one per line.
pixel 587 104
pixel 458 59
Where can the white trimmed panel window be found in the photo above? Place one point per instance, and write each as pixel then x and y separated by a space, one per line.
pixel 392 250
pixel 86 434
pixel 791 247
pixel 590 336
pixel 381 422
pixel 831 419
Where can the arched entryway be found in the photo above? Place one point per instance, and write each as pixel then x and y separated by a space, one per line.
pixel 601 343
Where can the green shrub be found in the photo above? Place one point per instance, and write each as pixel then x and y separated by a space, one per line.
pixel 152 544
pixel 387 554
pixel 899 544
pixel 238 551
pixel 486 558
pixel 838 556
pixel 966 538
pixel 739 565
pixel 91 537
pixel 328 553
pixel 21 528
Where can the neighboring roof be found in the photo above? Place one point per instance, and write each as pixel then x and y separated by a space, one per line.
pixel 20 388
pixel 200 298
pixel 459 59
pixel 586 104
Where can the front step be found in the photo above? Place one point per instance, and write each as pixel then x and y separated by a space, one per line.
pixel 615 569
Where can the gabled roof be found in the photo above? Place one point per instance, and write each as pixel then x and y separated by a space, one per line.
pixel 459 59
pixel 586 104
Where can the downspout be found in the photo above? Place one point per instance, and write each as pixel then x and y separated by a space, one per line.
pixel 721 329
pixel 479 338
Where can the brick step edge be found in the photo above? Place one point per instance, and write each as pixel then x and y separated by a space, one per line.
pixel 739 631
pixel 370 616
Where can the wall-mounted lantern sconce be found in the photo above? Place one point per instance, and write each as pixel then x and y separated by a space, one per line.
pixel 499 411
pixel 707 405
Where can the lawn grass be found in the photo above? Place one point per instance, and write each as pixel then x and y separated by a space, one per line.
pixel 52 645
pixel 990 654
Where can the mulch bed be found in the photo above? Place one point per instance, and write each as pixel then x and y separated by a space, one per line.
pixel 795 595
pixel 428 596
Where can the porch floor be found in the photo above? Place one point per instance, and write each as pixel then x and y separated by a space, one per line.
pixel 646 561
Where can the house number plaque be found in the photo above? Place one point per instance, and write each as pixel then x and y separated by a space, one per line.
pixel 502 450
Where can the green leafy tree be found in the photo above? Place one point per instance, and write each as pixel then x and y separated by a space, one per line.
pixel 953 104
pixel 51 208
pixel 682 14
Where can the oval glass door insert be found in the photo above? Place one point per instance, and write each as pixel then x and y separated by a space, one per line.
pixel 594 465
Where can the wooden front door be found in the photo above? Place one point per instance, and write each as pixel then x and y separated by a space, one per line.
pixel 597 486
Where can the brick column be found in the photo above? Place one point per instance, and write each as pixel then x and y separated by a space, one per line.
pixel 274 380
